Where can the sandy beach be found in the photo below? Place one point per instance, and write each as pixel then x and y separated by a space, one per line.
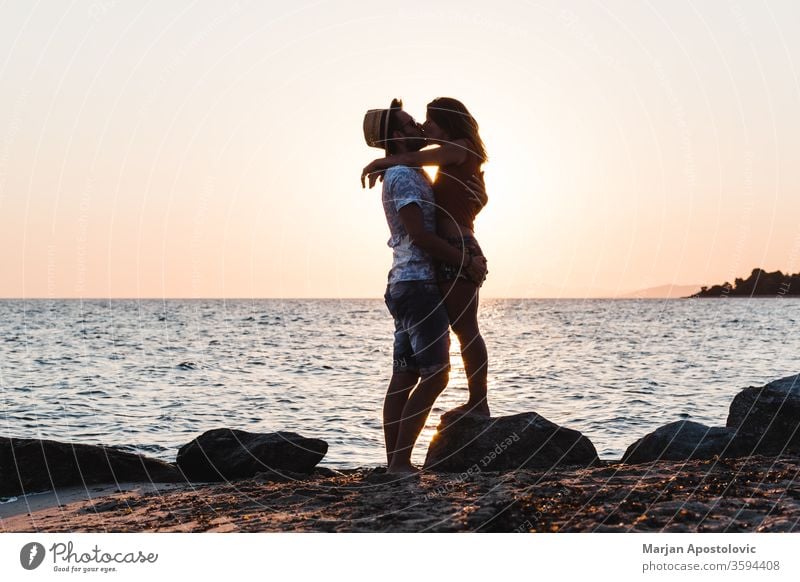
pixel 757 494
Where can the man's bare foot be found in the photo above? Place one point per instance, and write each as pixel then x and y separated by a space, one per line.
pixel 467 409
pixel 402 468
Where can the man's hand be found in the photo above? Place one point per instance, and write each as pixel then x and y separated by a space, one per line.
pixel 477 270
pixel 374 170
pixel 477 188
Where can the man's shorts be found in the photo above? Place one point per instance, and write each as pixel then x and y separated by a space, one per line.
pixel 421 327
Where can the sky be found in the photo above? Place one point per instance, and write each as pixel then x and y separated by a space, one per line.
pixel 213 149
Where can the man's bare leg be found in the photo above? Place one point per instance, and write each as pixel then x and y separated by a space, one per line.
pixel 400 387
pixel 414 415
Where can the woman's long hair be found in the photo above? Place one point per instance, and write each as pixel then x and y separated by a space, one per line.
pixel 454 119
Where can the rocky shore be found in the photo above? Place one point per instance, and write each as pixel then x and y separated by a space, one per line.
pixel 519 473
pixel 756 494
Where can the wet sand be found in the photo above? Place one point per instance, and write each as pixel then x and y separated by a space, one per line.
pixel 733 495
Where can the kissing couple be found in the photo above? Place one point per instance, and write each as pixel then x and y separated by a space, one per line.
pixel 437 265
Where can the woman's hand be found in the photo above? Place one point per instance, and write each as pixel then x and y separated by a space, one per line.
pixel 477 188
pixel 373 170
pixel 476 269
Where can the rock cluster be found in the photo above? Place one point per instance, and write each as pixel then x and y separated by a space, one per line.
pixel 33 465
pixel 763 420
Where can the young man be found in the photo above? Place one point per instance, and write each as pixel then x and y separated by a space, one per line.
pixel 422 337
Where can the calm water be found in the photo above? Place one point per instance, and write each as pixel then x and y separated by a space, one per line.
pixel 150 375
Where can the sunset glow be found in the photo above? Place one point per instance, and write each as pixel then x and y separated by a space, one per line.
pixel 214 150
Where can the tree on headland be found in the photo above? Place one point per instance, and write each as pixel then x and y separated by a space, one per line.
pixel 759 284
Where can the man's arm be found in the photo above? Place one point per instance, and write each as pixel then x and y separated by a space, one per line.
pixel 411 217
pixel 477 189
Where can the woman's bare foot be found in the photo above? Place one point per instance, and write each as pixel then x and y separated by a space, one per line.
pixel 481 409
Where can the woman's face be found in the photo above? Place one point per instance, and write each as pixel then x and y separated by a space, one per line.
pixel 433 131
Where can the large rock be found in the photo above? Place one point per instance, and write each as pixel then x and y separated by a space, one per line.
pixel 30 465
pixel 222 454
pixel 506 443
pixel 770 414
pixel 684 440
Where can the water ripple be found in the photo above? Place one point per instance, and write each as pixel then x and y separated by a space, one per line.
pixel 150 375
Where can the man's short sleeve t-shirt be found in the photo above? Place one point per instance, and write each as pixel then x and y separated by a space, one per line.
pixel 402 186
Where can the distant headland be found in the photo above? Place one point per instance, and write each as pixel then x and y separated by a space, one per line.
pixel 759 284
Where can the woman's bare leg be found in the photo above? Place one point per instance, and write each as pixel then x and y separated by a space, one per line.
pixel 461 297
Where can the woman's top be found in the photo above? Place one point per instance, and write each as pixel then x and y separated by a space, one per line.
pixel 452 194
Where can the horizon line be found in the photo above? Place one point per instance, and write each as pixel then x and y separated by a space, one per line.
pixel 376 297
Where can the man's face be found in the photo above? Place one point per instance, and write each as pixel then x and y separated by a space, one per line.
pixel 409 131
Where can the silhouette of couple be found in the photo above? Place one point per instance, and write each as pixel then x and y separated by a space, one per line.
pixel 437 265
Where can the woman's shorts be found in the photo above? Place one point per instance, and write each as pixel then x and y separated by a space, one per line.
pixel 466 244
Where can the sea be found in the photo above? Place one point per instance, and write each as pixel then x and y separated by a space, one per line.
pixel 149 375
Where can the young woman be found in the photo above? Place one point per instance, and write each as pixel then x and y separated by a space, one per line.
pixel 459 157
